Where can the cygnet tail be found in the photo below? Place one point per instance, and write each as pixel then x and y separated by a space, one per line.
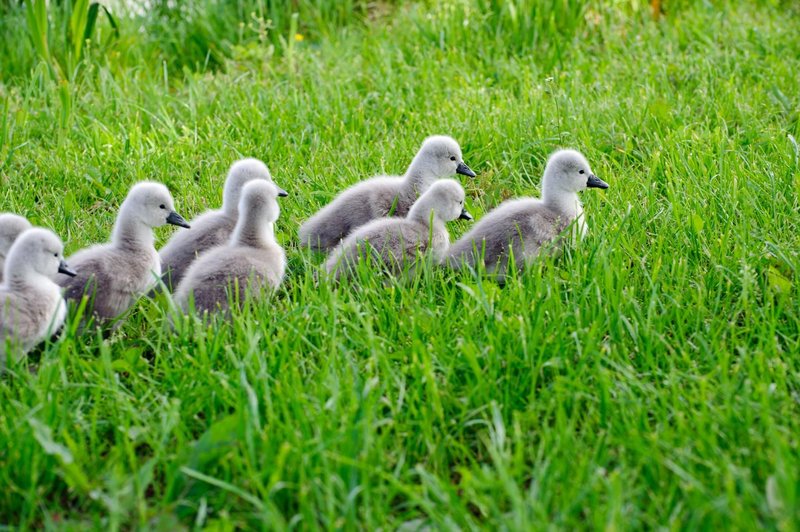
pixel 318 235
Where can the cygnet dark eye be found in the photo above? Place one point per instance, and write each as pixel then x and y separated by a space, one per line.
pixel 452 157
pixel 580 172
pixel 55 255
pixel 163 207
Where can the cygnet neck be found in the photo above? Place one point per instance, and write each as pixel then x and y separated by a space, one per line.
pixel 419 176
pixel 564 202
pixel 254 228
pixel 18 273
pixel 421 212
pixel 230 201
pixel 130 232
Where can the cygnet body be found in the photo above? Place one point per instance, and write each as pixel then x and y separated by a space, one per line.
pixel 11 226
pixel 115 274
pixel 251 261
pixel 524 225
pixel 396 242
pixel 212 228
pixel 438 157
pixel 31 306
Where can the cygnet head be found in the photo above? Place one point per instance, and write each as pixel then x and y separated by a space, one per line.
pixel 39 251
pixel 260 198
pixel 440 156
pixel 445 198
pixel 240 173
pixel 568 171
pixel 11 226
pixel 151 204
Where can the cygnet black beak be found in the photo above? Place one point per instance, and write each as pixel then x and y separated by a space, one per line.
pixel 595 182
pixel 281 193
pixel 463 169
pixel 65 269
pixel 176 219
pixel 465 215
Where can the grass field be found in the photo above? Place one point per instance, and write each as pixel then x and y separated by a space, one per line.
pixel 649 377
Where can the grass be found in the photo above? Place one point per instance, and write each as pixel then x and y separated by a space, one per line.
pixel 646 378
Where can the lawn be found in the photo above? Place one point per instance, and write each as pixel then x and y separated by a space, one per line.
pixel 647 377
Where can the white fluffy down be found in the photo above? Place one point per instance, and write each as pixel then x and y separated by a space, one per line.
pixel 394 243
pixel 250 262
pixel 438 157
pixel 521 227
pixel 31 306
pixel 116 274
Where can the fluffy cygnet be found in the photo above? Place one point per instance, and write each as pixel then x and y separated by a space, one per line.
pixel 524 225
pixel 374 198
pixel 251 261
pixel 396 242
pixel 31 306
pixel 11 226
pixel 212 228
pixel 115 274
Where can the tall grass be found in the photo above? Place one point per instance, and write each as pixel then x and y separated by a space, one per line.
pixel 59 31
pixel 645 379
pixel 202 36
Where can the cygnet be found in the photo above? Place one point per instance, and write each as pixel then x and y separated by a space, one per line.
pixel 212 228
pixel 395 243
pixel 251 261
pixel 114 275
pixel 524 225
pixel 11 226
pixel 438 157
pixel 31 306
